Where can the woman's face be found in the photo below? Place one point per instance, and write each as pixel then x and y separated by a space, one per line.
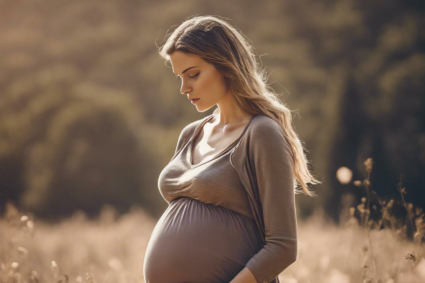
pixel 199 79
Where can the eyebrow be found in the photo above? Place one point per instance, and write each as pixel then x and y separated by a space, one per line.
pixel 187 70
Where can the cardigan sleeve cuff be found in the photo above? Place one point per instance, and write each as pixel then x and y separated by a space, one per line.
pixel 269 263
pixel 258 273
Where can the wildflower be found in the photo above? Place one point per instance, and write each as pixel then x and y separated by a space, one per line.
pixel 410 256
pixel 368 163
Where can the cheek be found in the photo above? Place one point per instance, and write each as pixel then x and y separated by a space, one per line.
pixel 213 84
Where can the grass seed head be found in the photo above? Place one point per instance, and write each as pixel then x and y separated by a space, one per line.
pixel 89 278
pixel 34 276
pixel 55 268
pixel 368 164
pixel 14 265
pixel 23 251
pixel 410 256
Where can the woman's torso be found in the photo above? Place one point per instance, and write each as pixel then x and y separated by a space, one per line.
pixel 207 233
pixel 213 181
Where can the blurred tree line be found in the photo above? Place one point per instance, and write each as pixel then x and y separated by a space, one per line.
pixel 90 114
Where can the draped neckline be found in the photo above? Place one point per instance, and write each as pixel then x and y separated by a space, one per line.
pixel 196 134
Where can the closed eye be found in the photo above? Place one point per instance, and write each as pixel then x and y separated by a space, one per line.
pixel 178 77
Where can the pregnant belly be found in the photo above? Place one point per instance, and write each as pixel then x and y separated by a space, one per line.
pixel 198 242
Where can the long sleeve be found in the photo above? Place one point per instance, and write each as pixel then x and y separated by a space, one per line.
pixel 271 161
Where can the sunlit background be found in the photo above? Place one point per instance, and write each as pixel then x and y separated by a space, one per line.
pixel 90 114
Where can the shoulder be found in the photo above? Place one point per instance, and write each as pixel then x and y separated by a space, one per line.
pixel 266 127
pixel 267 139
pixel 190 128
pixel 264 139
pixel 266 134
pixel 188 131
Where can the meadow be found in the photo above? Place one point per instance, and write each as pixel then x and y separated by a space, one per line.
pixel 84 96
pixel 111 247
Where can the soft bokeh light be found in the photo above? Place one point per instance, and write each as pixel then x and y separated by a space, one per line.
pixel 344 175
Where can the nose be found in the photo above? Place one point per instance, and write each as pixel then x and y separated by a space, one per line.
pixel 185 88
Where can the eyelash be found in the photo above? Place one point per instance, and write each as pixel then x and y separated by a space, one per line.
pixel 190 76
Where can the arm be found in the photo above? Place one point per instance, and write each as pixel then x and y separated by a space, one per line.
pixel 271 161
pixel 245 276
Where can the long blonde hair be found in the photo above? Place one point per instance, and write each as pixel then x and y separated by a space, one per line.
pixel 217 41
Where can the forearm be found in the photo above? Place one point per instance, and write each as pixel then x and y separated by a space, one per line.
pixel 245 276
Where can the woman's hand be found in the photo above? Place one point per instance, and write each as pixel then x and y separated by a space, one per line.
pixel 245 276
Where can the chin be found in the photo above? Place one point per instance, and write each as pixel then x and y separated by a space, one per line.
pixel 204 109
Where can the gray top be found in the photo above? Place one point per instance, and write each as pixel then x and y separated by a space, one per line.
pixel 262 190
pixel 214 181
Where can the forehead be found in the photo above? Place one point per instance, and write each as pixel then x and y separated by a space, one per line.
pixel 180 61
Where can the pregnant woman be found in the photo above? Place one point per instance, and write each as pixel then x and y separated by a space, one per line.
pixel 232 181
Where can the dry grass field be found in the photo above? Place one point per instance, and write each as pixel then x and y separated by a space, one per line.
pixel 110 248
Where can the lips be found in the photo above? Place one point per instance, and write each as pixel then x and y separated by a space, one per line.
pixel 194 100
